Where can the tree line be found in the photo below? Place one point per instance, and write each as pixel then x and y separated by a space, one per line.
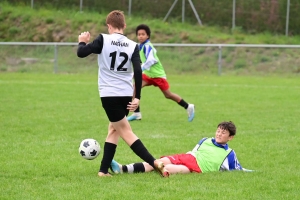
pixel 254 16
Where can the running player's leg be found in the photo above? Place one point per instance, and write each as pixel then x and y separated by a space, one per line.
pixel 164 87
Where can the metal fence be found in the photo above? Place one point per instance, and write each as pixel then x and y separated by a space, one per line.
pixel 196 12
pixel 38 56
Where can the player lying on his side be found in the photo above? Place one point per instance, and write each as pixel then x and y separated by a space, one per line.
pixel 209 155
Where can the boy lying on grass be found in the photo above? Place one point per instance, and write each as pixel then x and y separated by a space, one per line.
pixel 209 155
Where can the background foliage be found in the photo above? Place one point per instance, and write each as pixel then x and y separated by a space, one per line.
pixel 21 23
pixel 251 15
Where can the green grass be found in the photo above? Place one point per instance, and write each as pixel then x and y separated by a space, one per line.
pixel 44 117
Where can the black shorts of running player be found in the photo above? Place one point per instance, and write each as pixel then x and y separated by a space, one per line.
pixel 116 107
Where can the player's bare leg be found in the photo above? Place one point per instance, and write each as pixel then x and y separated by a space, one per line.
pixel 165 160
pixel 169 167
pixel 124 130
pixel 177 169
pixel 175 97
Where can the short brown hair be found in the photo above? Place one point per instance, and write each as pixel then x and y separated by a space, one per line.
pixel 116 19
pixel 229 126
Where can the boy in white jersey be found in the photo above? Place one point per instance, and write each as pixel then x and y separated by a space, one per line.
pixel 119 62
pixel 210 154
pixel 154 73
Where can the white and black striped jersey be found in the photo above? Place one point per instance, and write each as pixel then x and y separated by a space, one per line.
pixel 119 62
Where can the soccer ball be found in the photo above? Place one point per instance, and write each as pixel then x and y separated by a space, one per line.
pixel 89 149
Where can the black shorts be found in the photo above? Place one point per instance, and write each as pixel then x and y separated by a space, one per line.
pixel 116 107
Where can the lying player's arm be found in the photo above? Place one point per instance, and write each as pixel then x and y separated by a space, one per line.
pixel 247 170
pixel 198 145
pixel 231 162
pixel 84 48
pixel 150 59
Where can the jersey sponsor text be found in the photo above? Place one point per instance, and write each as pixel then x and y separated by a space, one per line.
pixel 120 44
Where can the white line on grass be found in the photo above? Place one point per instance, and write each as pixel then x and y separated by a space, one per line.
pixel 173 84
pixel 47 82
pixel 236 85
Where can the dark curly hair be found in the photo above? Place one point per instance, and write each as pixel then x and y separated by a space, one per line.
pixel 229 126
pixel 143 27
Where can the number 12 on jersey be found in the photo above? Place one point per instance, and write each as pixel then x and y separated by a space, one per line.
pixel 114 56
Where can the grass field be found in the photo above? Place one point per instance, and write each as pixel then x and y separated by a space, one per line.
pixel 44 117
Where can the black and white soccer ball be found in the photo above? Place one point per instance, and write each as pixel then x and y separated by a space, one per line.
pixel 89 149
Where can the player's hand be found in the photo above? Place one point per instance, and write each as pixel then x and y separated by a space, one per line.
pixel 84 37
pixel 132 106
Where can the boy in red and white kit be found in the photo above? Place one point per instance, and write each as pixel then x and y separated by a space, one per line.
pixel 154 73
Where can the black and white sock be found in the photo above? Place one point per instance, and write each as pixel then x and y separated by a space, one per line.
pixel 133 168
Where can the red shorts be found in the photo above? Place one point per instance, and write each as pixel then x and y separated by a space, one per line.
pixel 185 159
pixel 162 83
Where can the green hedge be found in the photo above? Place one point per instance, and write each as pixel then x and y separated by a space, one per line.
pixel 251 15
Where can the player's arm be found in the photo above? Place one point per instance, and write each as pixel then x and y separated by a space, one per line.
pixel 84 48
pixel 231 162
pixel 150 57
pixel 136 63
pixel 199 144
